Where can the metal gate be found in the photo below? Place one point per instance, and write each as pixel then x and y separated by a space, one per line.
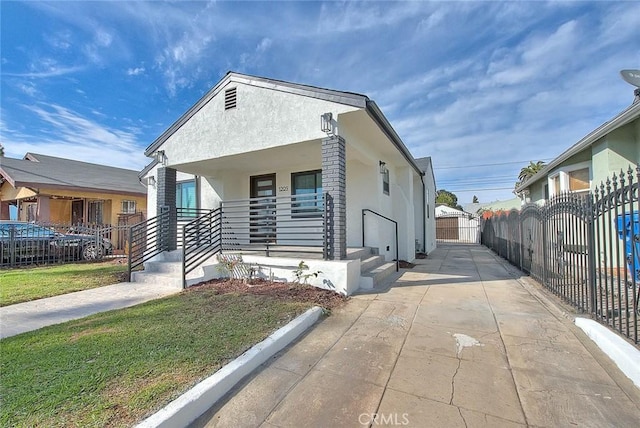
pixel 458 227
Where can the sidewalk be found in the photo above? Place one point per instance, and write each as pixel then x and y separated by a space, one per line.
pixel 23 317
pixel 456 342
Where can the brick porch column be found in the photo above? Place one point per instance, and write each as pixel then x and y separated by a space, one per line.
pixel 166 201
pixel 334 173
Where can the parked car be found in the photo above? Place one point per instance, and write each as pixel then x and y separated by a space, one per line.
pixel 20 241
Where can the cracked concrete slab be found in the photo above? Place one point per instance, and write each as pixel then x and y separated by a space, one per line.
pixel 568 361
pixel 255 401
pixel 557 401
pixel 474 382
pixel 458 341
pixel 457 314
pixel 324 399
pixel 428 376
pixel 441 340
pixel 368 361
pixel 410 410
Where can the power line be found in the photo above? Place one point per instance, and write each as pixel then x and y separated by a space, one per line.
pixel 488 164
pixel 479 189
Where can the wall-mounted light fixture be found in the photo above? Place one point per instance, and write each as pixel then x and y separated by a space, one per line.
pixel 160 157
pixel 383 168
pixel 151 181
pixel 326 124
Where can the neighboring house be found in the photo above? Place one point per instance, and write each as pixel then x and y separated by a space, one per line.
pixel 55 190
pixel 454 225
pixel 252 137
pixel 612 147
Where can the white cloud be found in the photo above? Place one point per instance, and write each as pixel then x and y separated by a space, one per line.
pixel 50 71
pixel 62 40
pixel 264 45
pixel 135 71
pixel 62 132
pixel 28 88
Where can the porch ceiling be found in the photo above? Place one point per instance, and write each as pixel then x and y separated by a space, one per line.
pixel 281 157
pixel 377 144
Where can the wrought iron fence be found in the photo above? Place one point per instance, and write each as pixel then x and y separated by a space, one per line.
pixel 23 243
pixel 584 247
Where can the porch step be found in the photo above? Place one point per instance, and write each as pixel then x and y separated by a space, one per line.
pixel 162 267
pixel 375 276
pixel 172 256
pixel 360 253
pixel 167 279
pixel 370 263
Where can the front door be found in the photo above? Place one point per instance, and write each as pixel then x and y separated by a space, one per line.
pixel 262 210
pixel 77 212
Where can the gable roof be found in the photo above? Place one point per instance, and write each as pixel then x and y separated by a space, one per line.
pixel 341 97
pixel 425 165
pixel 627 115
pixel 36 170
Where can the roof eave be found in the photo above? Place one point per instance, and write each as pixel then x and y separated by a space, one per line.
pixel 7 177
pixel 376 114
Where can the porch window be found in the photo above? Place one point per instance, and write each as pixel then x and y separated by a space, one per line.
pixel 555 181
pixel 579 179
pixel 95 212
pixel 128 207
pixel 306 183
pixel 186 195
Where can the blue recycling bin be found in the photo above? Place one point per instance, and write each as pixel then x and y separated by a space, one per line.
pixel 628 227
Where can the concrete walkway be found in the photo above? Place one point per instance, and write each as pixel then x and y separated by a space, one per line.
pixel 457 341
pixel 28 316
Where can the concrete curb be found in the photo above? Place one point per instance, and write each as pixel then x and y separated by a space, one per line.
pixel 193 403
pixel 625 355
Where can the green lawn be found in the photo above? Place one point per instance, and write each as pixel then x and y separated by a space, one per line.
pixel 24 284
pixel 118 367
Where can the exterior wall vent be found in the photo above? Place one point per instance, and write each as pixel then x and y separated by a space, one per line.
pixel 230 98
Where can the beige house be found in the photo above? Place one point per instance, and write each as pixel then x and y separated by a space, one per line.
pixel 43 188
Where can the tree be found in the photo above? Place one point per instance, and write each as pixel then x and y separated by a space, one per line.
pixel 475 199
pixel 1 151
pixel 529 171
pixel 447 198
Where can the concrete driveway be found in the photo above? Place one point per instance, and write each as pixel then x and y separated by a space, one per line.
pixel 458 341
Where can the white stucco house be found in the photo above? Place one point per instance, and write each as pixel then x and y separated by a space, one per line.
pixel 294 169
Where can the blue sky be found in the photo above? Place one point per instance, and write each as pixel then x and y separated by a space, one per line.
pixel 481 87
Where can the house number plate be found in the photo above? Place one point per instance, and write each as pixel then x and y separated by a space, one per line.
pixel 283 189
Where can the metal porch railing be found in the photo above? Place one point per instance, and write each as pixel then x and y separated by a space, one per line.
pixel 366 210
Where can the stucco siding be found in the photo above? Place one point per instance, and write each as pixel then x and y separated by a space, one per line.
pixel 263 119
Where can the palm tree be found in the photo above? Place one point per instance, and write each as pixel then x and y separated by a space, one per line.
pixel 530 170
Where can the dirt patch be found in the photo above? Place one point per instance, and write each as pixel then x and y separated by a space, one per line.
pixel 90 332
pixel 421 256
pixel 406 265
pixel 282 290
